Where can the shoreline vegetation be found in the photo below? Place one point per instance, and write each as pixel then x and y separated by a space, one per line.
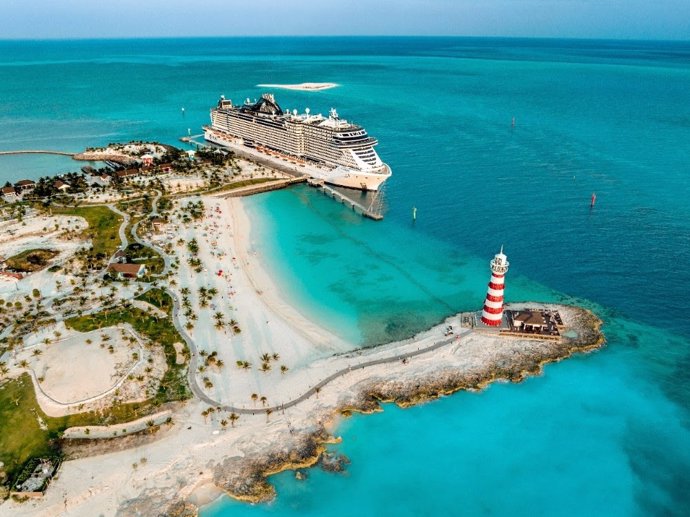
pixel 182 429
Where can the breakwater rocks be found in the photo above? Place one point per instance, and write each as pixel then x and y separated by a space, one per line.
pixel 476 360
pixel 246 479
pixel 507 364
pixel 97 156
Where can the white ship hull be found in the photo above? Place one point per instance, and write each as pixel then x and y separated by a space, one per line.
pixel 340 176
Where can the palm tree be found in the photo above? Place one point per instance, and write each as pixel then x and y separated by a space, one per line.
pixel 283 368
pixel 263 401
pixel 317 391
pixel 268 413
pixel 265 367
pixel 204 413
pixel 276 356
pixel 233 418
pixel 255 397
pixel 23 363
pixel 265 358
pixel 224 423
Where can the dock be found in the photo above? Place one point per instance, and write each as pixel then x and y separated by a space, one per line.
pixel 299 173
pixel 372 212
pixel 261 187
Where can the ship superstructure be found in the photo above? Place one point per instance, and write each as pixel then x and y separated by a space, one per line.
pixel 327 148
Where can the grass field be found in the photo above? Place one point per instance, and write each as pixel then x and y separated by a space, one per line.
pixel 158 298
pixel 21 419
pixel 104 225
pixel 22 436
pixel 30 261
pixel 139 254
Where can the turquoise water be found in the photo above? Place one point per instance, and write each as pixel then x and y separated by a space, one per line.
pixel 603 434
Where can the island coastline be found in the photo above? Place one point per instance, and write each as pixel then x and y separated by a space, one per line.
pixel 190 460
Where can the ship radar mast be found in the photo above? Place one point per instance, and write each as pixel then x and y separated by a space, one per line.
pixel 333 114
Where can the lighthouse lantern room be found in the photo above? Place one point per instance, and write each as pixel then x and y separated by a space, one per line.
pixel 492 313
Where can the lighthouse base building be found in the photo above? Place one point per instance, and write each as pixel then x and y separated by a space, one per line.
pixel 492 312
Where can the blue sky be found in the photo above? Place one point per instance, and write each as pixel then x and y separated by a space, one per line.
pixel 625 19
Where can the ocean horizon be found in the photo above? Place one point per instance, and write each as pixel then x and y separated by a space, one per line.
pixel 605 433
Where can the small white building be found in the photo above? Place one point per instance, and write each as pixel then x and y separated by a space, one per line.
pixel 10 194
pixel 123 271
pixel 61 186
pixel 25 185
pixel 102 180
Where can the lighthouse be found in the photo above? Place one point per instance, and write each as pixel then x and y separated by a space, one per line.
pixel 492 313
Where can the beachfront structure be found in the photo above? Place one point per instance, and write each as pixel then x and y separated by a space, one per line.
pixel 123 271
pixel 9 194
pixel 25 185
pixel 328 148
pixel 492 313
pixel 128 175
pixel 97 178
pixel 61 186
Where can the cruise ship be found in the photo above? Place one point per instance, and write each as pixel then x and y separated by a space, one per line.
pixel 326 148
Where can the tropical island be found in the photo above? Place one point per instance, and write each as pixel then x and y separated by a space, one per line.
pixel 149 364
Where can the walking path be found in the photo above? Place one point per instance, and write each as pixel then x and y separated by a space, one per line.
pixel 103 394
pixel 123 226
pixel 194 353
pixel 167 261
pixel 61 153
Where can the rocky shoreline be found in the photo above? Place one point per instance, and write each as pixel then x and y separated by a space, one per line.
pixel 246 478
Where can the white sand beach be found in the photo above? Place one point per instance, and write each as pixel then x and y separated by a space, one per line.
pixel 196 456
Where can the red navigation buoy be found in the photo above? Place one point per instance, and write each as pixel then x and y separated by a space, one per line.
pixel 594 199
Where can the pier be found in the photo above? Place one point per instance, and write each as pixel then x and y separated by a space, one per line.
pixel 299 173
pixel 373 211
pixel 262 187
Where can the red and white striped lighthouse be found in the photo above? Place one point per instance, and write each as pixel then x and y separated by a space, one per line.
pixel 492 313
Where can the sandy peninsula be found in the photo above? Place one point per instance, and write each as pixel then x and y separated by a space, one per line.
pixel 305 87
pixel 245 423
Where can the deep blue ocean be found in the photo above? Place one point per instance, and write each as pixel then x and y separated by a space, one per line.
pixel 602 434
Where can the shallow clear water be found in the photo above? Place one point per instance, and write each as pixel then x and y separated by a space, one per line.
pixel 603 434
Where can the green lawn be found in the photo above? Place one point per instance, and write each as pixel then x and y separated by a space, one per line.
pixel 30 261
pixel 158 298
pixel 139 254
pixel 104 225
pixel 21 437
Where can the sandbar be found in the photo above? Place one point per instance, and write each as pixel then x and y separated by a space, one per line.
pixel 305 87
